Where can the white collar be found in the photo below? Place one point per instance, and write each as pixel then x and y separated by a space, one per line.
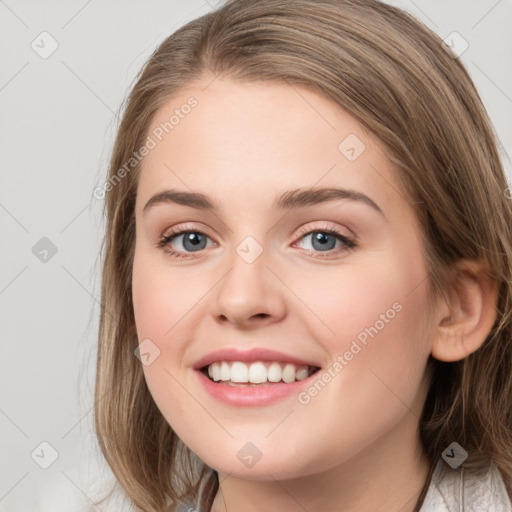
pixel 466 490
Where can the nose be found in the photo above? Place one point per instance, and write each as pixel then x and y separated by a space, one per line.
pixel 249 295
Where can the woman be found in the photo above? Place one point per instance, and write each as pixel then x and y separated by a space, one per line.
pixel 342 338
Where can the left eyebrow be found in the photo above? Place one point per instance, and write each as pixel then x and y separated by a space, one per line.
pixel 291 199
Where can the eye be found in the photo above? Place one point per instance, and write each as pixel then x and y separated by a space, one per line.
pixel 192 240
pixel 324 240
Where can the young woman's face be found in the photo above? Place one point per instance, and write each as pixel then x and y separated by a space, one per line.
pixel 330 280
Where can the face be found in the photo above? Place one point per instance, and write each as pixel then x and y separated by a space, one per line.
pixel 334 281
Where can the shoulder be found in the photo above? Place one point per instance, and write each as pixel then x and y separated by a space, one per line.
pixel 466 490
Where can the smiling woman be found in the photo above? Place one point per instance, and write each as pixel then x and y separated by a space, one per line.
pixel 307 281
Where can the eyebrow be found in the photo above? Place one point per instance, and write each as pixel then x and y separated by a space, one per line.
pixel 291 199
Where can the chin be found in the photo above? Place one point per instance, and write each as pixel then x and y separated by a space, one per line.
pixel 249 462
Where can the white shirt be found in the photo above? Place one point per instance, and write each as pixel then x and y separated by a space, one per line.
pixel 464 490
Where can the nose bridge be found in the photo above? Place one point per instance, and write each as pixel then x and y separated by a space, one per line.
pixel 249 288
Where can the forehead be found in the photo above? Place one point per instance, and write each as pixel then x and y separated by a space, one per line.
pixel 252 140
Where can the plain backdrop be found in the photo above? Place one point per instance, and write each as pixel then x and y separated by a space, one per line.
pixel 65 69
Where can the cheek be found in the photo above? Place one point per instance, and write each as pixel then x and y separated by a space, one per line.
pixel 163 300
pixel 373 326
pixel 167 306
pixel 377 298
pixel 371 319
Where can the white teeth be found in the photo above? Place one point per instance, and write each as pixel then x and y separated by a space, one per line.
pixel 216 372
pixel 289 373
pixel 257 372
pixel 239 372
pixel 302 373
pixel 225 372
pixel 274 372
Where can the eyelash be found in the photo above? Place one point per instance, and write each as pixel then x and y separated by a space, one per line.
pixel 349 243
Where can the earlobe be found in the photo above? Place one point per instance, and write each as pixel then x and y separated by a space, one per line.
pixel 465 320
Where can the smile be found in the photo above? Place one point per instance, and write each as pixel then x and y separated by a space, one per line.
pixel 250 394
pixel 238 373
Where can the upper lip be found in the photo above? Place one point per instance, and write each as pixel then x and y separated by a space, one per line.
pixel 253 354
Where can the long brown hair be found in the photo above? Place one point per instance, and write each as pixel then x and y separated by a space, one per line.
pixel 394 76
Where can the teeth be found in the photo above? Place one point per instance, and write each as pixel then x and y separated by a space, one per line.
pixel 239 372
pixel 289 373
pixel 258 372
pixel 225 372
pixel 274 372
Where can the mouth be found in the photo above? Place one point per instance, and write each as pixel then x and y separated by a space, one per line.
pixel 256 373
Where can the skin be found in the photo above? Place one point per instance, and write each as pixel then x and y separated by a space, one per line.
pixel 355 445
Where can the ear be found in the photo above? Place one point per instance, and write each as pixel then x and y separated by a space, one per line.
pixel 465 320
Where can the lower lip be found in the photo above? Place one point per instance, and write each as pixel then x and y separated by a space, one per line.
pixel 251 396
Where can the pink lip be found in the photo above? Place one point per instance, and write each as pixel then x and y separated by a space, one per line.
pixel 251 396
pixel 253 354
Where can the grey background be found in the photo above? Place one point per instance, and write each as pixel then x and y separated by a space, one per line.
pixel 57 128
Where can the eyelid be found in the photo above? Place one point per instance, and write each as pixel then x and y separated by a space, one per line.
pixel 307 229
pixel 304 230
pixel 350 241
pixel 180 230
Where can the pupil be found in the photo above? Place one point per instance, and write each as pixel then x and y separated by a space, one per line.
pixel 322 238
pixel 194 239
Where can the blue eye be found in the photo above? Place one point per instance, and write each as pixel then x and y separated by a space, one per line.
pixel 192 241
pixel 322 240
